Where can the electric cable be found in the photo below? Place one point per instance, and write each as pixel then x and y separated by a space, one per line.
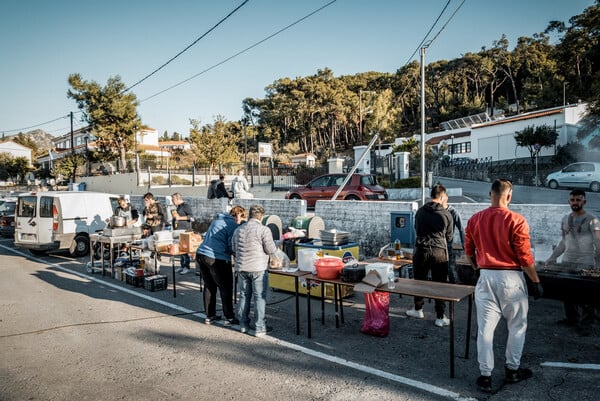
pixel 240 52
pixel 427 34
pixel 36 125
pixel 188 47
pixel 429 42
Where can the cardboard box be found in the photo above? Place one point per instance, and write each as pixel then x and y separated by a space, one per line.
pixel 189 242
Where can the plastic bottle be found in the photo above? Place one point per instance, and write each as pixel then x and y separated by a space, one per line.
pixel 391 279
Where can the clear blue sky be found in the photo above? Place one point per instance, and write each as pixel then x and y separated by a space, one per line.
pixel 45 41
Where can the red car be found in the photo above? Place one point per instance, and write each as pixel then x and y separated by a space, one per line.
pixel 359 187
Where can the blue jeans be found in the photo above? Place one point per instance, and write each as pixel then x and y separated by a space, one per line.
pixel 253 284
pixel 184 261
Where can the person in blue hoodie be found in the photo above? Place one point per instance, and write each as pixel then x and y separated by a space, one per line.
pixel 214 258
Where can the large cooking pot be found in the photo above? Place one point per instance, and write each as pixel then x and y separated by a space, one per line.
pixel 118 221
pixel 353 273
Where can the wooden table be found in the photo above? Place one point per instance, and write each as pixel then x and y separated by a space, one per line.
pixel 451 293
pixel 296 275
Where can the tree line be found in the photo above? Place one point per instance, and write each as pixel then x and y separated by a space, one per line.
pixel 327 115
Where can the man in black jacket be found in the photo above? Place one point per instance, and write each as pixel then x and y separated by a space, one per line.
pixel 182 220
pixel 434 228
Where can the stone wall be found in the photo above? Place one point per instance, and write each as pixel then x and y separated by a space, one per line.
pixel 370 222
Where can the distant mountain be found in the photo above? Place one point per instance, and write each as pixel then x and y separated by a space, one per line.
pixel 40 140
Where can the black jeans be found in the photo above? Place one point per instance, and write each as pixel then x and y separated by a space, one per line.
pixel 216 273
pixel 434 260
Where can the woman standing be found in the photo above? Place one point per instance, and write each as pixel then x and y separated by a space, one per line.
pixel 214 259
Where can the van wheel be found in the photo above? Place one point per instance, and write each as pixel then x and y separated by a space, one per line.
pixel 82 246
pixel 37 252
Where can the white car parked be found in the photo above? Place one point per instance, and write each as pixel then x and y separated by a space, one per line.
pixel 577 175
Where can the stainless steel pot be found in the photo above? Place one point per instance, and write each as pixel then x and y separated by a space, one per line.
pixel 118 221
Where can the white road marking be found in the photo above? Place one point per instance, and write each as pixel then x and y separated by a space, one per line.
pixel 421 386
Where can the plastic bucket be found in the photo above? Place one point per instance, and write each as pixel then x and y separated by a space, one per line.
pixel 306 259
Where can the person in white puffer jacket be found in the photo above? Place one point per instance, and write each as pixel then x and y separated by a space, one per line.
pixel 252 245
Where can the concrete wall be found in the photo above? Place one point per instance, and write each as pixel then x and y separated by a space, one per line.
pixel 369 222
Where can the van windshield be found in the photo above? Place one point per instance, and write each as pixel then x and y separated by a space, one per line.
pixel 27 206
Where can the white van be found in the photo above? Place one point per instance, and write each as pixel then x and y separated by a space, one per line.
pixel 47 221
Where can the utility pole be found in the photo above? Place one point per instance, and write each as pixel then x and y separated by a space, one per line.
pixel 74 163
pixel 423 123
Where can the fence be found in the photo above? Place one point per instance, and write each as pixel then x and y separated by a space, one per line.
pixel 520 171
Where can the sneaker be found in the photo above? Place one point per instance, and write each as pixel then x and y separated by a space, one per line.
pixel 263 332
pixel 516 375
pixel 243 330
pixel 442 322
pixel 197 273
pixel 177 270
pixel 418 313
pixel 185 270
pixel 484 383
pixel 211 319
pixel 231 322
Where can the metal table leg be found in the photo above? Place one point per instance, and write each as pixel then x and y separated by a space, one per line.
pixel 467 342
pixel 452 339
pixel 174 285
pixel 308 323
pixel 297 305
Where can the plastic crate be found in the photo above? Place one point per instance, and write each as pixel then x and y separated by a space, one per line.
pixel 136 281
pixel 158 282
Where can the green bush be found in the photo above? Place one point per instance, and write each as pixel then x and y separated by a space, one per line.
pixel 411 182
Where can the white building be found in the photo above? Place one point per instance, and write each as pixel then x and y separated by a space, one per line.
pixel 16 150
pixel 481 137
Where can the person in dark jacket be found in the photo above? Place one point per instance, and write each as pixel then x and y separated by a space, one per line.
pixel 434 229
pixel 214 258
pixel 221 191
pixel 182 220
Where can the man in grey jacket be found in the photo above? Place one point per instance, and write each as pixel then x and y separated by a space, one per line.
pixel 252 245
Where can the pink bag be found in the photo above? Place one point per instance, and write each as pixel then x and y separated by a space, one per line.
pixel 377 316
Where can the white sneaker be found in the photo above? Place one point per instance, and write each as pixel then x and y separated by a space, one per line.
pixel 416 313
pixel 179 269
pixel 442 322
pixel 185 271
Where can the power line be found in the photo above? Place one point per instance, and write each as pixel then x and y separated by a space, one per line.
pixel 187 48
pixel 448 21
pixel 36 125
pixel 430 41
pixel 147 76
pixel 428 32
pixel 240 52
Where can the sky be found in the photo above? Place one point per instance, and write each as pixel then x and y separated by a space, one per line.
pixel 42 42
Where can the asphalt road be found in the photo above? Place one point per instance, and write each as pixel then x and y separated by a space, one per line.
pixel 66 334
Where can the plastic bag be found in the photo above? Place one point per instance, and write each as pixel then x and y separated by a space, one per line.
pixel 377 316
pixel 279 260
